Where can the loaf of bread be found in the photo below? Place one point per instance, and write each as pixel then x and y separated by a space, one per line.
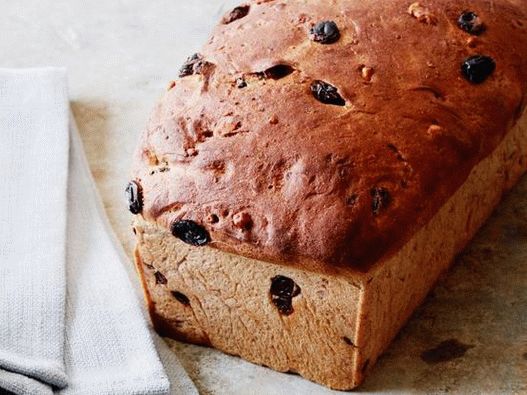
pixel 315 168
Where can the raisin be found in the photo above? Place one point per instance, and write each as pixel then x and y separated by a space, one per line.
pixel 283 305
pixel 278 71
pixel 325 32
pixel 240 83
pixel 380 199
pixel 134 196
pixel 190 232
pixel 478 68
pixel 235 14
pixel 193 65
pixel 283 286
pixel 181 298
pixel 160 278
pixel 470 22
pixel 283 290
pixel 326 93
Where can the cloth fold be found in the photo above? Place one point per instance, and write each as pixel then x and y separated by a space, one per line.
pixel 33 172
pixel 86 335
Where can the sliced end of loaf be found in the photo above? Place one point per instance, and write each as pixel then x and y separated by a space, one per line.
pixel 222 300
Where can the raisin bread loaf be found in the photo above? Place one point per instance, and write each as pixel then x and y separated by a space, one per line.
pixel 305 181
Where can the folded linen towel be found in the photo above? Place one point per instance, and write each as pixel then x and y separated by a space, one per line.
pixel 33 170
pixel 86 335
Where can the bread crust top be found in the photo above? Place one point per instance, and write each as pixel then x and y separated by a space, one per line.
pixel 241 145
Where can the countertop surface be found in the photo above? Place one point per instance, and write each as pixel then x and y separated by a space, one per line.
pixel 470 336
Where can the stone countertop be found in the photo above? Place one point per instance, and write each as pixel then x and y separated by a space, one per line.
pixel 471 334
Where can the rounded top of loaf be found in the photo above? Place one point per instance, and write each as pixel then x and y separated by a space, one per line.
pixel 244 145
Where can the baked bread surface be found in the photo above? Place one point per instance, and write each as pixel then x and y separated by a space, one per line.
pixel 302 186
pixel 242 147
pixel 334 326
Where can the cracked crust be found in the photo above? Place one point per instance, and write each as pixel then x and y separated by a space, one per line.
pixel 244 136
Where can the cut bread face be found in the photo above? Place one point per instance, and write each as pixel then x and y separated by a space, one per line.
pixel 329 327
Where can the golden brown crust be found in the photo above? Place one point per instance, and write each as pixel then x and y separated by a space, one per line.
pixel 340 322
pixel 308 174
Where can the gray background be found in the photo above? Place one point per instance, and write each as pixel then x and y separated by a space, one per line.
pixel 120 57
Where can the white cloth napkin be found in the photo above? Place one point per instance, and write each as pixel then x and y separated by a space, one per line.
pixel 70 320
